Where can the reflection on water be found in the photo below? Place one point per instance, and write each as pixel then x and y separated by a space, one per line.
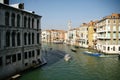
pixel 81 67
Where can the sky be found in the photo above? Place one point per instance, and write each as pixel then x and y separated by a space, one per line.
pixel 57 13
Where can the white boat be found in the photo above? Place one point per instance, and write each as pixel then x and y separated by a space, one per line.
pixel 67 57
pixel 103 55
pixel 58 42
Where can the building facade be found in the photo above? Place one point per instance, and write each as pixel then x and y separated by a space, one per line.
pixel 108 30
pixel 53 35
pixel 83 41
pixel 91 32
pixel 46 36
pixel 20 43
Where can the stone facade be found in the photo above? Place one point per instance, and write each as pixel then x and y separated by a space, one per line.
pixel 108 30
pixel 20 43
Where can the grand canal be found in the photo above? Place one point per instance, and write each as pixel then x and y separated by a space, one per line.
pixel 80 67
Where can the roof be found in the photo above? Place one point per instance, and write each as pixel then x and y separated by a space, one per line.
pixel 112 16
pixel 23 10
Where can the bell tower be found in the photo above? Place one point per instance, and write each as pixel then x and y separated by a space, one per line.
pixel 69 24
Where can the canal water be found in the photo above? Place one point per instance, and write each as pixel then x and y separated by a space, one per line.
pixel 80 67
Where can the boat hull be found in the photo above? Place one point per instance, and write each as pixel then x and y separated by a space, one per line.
pixel 73 50
pixel 93 54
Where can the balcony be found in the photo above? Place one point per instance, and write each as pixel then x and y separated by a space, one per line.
pixel 104 37
pixel 101 31
pixel 101 37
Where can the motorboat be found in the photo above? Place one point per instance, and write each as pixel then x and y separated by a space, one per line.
pixel 58 42
pixel 108 55
pixel 92 53
pixel 100 54
pixel 67 57
pixel 73 49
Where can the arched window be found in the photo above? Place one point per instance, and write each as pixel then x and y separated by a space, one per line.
pixel 13 19
pixel 108 48
pixel 25 21
pixel 29 40
pixel 30 54
pixel 29 22
pixel 26 55
pixel 18 39
pixel 32 38
pixel 25 38
pixel 38 52
pixel 38 38
pixel 7 18
pixel 114 48
pixel 37 24
pixel 18 20
pixel 13 39
pixel 33 53
pixel 0 39
pixel 7 39
pixel 32 23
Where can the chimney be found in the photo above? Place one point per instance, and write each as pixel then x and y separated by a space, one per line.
pixel 18 5
pixel 4 2
pixel 21 6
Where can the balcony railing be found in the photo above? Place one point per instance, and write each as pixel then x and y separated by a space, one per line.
pixel 103 37
pixel 101 30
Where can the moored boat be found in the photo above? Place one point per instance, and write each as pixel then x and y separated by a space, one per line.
pixel 92 54
pixel 58 42
pixel 74 50
pixel 108 55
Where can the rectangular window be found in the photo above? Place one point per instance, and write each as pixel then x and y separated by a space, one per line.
pixel 114 42
pixel 32 38
pixel 32 23
pixel 119 35
pixel 25 21
pixel 38 38
pixel 7 18
pixel 0 39
pixel 114 35
pixel 8 59
pixel 114 28
pixel 118 42
pixel 108 35
pixel 108 42
pixel 114 21
pixel 38 52
pixel 19 56
pixel 37 24
pixel 33 54
pixel 119 28
pixel 13 19
pixel 14 58
pixel 30 54
pixel 108 27
pixel 25 55
pixel 0 61
pixel 104 47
